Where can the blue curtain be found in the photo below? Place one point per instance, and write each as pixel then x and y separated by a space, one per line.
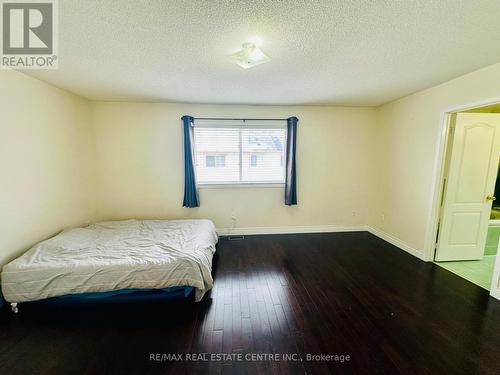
pixel 291 170
pixel 190 189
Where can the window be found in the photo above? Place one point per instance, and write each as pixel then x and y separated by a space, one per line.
pixel 253 160
pixel 215 161
pixel 237 152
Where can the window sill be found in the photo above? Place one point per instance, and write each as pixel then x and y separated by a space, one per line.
pixel 275 185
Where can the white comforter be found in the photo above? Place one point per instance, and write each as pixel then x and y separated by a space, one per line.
pixel 115 255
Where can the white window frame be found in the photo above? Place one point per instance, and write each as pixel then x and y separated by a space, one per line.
pixel 242 124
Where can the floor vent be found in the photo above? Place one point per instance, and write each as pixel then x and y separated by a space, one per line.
pixel 235 238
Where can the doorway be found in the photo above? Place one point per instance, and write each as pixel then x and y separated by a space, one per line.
pixel 469 220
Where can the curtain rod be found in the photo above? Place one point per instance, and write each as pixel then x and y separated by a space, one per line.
pixel 240 119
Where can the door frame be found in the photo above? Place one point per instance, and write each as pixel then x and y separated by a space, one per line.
pixel 494 290
pixel 438 174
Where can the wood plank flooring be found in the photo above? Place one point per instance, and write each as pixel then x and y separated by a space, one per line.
pixel 285 296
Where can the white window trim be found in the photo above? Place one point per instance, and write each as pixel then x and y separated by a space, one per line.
pixel 225 185
pixel 248 124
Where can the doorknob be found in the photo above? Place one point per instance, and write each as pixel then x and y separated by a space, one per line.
pixel 490 198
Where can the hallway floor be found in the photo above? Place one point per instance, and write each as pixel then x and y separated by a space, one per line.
pixel 478 272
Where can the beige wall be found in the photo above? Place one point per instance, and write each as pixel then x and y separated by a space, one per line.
pixel 66 161
pixel 141 166
pixel 47 155
pixel 406 144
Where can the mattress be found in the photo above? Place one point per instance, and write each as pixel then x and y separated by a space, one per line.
pixel 115 255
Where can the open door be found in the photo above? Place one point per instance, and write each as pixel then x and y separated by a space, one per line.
pixel 469 188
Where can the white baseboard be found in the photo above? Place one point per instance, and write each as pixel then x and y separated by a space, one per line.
pixel 287 230
pixel 495 293
pixel 396 242
pixel 322 229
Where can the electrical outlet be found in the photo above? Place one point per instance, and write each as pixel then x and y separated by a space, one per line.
pixel 382 217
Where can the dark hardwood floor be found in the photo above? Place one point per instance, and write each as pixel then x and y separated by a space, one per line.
pixel 349 294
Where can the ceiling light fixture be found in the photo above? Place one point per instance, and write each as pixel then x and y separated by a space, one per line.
pixel 249 56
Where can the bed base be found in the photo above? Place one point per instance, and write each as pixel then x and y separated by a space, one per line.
pixel 123 295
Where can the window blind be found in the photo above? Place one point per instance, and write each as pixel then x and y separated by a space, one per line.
pixel 233 152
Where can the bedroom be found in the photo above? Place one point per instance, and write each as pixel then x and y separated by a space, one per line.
pixel 346 272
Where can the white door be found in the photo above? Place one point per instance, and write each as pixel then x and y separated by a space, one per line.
pixel 469 188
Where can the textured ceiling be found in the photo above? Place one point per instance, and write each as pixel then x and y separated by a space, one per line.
pixel 358 52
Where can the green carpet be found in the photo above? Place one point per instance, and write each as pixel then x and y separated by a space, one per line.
pixel 492 240
pixel 479 272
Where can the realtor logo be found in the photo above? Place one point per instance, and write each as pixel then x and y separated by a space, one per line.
pixel 29 34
